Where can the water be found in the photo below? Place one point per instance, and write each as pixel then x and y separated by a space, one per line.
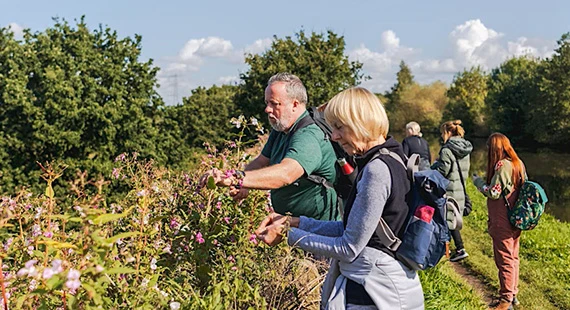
pixel 549 168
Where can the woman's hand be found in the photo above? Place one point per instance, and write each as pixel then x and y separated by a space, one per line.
pixel 474 177
pixel 273 228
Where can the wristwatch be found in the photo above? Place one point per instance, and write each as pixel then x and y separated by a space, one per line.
pixel 239 174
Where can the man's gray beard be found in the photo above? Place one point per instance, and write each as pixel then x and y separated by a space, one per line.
pixel 277 126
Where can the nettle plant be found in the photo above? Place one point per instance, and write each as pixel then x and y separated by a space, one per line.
pixel 165 244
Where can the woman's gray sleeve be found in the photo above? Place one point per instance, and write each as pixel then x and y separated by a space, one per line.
pixel 373 192
pixel 324 228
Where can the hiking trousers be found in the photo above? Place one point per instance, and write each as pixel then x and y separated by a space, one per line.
pixel 505 246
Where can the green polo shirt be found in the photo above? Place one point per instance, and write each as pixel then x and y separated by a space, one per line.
pixel 315 154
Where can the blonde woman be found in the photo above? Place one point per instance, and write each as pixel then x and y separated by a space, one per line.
pixel 364 274
pixel 415 144
pixel 454 163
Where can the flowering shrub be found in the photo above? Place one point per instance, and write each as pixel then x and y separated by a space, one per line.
pixel 165 244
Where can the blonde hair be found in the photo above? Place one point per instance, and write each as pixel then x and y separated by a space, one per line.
pixel 414 129
pixel 361 111
pixel 452 128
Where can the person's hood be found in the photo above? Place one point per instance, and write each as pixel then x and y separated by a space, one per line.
pixel 459 146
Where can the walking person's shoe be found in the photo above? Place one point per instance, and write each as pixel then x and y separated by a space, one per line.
pixel 458 255
pixel 516 302
pixel 501 304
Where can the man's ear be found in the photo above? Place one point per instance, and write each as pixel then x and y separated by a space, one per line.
pixel 296 103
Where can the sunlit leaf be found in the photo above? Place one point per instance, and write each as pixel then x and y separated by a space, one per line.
pixel 119 270
pixel 122 236
pixel 211 183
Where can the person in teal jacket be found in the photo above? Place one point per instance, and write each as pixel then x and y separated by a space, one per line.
pixel 455 150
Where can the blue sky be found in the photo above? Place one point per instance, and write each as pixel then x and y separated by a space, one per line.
pixel 200 43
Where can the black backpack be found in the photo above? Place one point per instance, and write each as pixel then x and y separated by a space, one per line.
pixel 343 183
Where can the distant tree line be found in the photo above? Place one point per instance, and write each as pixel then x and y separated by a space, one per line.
pixel 526 98
pixel 82 97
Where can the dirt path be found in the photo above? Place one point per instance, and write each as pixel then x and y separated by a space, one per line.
pixel 475 281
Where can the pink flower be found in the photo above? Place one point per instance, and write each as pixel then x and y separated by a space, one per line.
pixel 174 224
pixel 219 205
pixel 48 234
pixel 116 173
pixel 121 157
pixel 253 239
pixel 227 220
pixel 199 238
pixel 229 173
pixel 29 269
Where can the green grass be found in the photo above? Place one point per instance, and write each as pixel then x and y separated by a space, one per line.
pixel 544 253
pixel 445 289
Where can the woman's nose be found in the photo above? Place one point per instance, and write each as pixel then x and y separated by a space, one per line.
pixel 335 135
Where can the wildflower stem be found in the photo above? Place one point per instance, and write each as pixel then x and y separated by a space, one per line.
pixel 4 298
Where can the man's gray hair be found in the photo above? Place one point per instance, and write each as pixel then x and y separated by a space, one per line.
pixel 293 85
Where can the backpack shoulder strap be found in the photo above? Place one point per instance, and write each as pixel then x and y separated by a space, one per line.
pixel 302 123
pixel 383 231
pixel 411 166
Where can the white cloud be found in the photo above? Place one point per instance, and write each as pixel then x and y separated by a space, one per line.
pixel 195 50
pixel 17 30
pixel 389 41
pixel 230 79
pixel 538 48
pixel 474 43
pixel 259 46
pixel 471 44
pixel 380 64
pixel 182 72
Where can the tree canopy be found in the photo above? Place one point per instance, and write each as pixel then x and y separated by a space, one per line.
pixel 317 59
pixel 75 95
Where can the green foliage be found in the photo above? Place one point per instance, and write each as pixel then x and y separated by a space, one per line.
pixel 512 94
pixel 404 80
pixel 422 104
pixel 77 95
pixel 205 116
pixel 166 242
pixel 318 60
pixel 467 95
pixel 549 123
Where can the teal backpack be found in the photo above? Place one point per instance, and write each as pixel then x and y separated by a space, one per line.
pixel 529 206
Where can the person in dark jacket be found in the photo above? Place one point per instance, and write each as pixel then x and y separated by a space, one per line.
pixel 455 150
pixel 364 274
pixel 415 144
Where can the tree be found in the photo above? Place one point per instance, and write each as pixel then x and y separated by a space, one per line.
pixel 512 94
pixel 404 80
pixel 551 112
pixel 467 95
pixel 318 60
pixel 78 96
pixel 423 104
pixel 205 115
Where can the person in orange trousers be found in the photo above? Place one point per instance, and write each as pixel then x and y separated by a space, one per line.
pixel 505 176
